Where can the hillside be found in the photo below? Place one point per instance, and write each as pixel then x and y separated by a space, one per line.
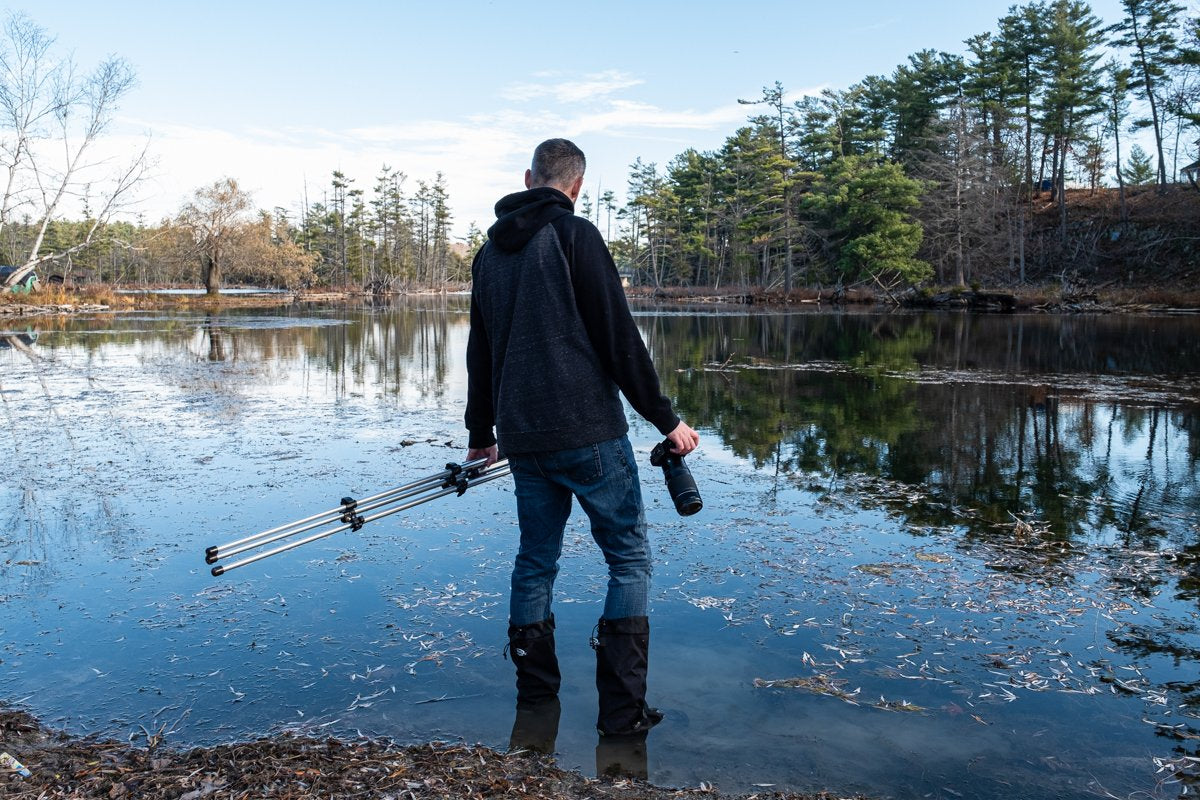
pixel 1157 246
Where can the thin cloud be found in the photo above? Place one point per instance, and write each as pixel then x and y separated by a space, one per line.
pixel 590 87
pixel 481 156
pixel 626 115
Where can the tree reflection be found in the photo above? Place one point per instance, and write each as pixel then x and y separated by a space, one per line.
pixel 1059 454
pixel 216 338
pixel 392 347
pixel 954 404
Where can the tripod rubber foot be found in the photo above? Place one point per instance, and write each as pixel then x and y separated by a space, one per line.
pixel 218 571
pixel 210 555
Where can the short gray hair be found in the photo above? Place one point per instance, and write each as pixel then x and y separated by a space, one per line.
pixel 557 162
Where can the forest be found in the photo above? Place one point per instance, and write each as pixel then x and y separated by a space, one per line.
pixel 984 168
pixel 393 242
pixel 1057 148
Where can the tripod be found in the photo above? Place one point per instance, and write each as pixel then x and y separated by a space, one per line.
pixel 353 514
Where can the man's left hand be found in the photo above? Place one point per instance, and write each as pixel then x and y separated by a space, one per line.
pixel 490 453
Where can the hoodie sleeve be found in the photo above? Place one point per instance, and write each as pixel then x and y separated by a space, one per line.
pixel 480 416
pixel 610 327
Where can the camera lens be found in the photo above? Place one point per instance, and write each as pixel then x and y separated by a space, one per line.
pixel 682 487
pixel 680 483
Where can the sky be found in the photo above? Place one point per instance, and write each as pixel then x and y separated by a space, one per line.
pixel 279 95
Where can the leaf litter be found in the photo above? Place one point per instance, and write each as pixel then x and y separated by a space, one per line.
pixel 305 768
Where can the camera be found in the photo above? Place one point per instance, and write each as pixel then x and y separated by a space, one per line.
pixel 680 483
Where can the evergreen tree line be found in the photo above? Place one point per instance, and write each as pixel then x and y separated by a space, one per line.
pixel 390 240
pixel 953 168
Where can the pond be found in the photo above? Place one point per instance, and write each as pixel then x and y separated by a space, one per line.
pixel 941 555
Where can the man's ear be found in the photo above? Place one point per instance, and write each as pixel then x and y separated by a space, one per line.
pixel 576 188
pixel 528 179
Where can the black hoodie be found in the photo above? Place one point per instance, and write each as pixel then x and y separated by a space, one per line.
pixel 552 339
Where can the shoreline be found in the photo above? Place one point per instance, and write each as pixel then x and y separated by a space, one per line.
pixel 285 766
pixel 998 300
pixel 1047 300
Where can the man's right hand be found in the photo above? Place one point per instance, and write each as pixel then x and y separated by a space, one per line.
pixel 490 453
pixel 683 439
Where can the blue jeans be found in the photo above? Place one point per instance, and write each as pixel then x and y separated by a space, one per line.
pixel 605 480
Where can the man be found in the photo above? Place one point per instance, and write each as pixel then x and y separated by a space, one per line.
pixel 551 343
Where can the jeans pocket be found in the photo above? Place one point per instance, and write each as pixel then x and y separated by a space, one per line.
pixel 582 465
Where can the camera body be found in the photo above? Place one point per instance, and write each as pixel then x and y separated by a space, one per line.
pixel 680 483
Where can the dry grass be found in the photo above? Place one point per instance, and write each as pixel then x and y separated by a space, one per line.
pixel 57 295
pixel 1178 206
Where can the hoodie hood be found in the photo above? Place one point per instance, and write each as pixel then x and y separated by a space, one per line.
pixel 519 216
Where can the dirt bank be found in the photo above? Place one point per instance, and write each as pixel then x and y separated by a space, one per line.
pixel 292 767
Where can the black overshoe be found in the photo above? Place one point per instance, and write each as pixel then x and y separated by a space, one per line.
pixel 622 656
pixel 531 648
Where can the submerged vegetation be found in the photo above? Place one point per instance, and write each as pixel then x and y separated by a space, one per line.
pixel 948 544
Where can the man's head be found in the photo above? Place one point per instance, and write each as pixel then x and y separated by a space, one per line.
pixel 557 163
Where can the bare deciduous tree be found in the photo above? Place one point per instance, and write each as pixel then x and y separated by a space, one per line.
pixel 970 201
pixel 231 240
pixel 50 119
pixel 216 218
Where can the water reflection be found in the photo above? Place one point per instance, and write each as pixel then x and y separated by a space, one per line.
pixel 922 532
pixel 21 342
pixel 1061 446
pixel 535 726
pixel 622 757
pixel 994 414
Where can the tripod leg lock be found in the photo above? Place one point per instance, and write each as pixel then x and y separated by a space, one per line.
pixel 452 478
pixel 355 521
pixel 460 478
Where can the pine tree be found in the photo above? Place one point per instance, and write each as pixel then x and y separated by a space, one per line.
pixel 842 123
pixel 862 213
pixel 1074 92
pixel 1138 171
pixel 339 184
pixel 988 83
pixel 1021 48
pixel 1117 101
pixel 644 193
pixel 920 90
pixel 442 217
pixel 752 183
pixel 773 97
pixel 1149 29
